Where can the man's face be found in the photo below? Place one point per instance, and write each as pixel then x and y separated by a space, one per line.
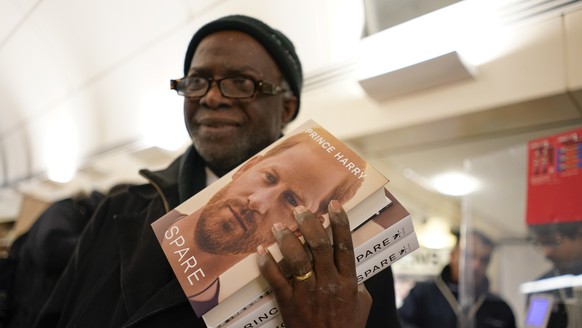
pixel 560 250
pixel 240 216
pixel 478 263
pixel 226 131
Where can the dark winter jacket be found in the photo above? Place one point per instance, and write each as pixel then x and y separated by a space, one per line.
pixel 43 253
pixel 426 306
pixel 559 315
pixel 119 276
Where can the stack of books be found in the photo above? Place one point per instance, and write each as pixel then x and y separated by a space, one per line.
pixel 210 240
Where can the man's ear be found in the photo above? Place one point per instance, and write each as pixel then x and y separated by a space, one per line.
pixel 247 165
pixel 289 109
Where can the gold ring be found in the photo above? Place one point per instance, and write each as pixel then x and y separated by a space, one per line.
pixel 304 276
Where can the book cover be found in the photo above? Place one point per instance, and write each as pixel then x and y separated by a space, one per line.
pixel 384 258
pixel 266 310
pixel 210 240
pixel 382 231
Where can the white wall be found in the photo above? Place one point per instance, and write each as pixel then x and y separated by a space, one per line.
pixel 517 263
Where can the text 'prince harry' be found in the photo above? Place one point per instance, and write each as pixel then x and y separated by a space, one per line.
pixel 339 156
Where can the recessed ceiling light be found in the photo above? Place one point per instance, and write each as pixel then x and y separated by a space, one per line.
pixel 455 183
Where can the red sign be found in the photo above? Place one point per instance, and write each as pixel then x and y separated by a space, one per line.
pixel 554 193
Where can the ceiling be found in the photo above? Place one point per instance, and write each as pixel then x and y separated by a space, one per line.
pixel 103 65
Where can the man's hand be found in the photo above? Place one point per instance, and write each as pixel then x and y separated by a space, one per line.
pixel 323 291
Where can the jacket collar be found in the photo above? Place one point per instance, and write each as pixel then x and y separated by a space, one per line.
pixel 187 172
pixel 454 287
pixel 139 248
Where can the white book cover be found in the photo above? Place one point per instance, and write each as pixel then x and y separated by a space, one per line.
pixel 210 240
pixel 380 232
pixel 266 310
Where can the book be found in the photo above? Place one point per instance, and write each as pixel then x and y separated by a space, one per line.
pixel 379 236
pixel 382 230
pixel 210 239
pixel 387 256
pixel 257 314
pixel 266 309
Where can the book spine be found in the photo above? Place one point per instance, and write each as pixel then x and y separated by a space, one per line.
pixel 383 240
pixel 386 257
pixel 277 322
pixel 258 314
pixel 268 312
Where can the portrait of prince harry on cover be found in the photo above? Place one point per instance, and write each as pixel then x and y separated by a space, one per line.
pixel 309 168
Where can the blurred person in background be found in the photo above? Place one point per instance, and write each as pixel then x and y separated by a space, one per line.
pixel 42 253
pixel 435 303
pixel 561 244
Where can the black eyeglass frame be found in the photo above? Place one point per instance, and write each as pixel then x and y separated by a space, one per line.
pixel 555 241
pixel 262 87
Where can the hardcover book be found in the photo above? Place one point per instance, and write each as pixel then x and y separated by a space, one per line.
pixel 210 240
pixel 265 309
pixel 381 241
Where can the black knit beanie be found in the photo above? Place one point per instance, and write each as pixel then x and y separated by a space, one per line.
pixel 275 42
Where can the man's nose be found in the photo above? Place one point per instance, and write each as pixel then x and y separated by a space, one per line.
pixel 476 265
pixel 261 199
pixel 213 97
pixel 548 251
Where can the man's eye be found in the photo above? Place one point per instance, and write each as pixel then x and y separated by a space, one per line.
pixel 238 80
pixel 195 83
pixel 271 178
pixel 242 83
pixel 290 199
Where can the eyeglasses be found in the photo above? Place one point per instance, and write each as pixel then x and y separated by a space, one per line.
pixel 550 242
pixel 230 87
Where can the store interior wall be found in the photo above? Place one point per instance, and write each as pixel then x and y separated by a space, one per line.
pixel 91 78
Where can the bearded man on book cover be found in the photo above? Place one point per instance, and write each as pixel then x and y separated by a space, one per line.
pixel 238 217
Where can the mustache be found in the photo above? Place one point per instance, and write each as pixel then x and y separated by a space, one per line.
pixel 245 216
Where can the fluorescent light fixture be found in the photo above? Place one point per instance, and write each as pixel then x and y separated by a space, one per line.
pixel 61 173
pixel 455 184
pixel 435 234
pixel 61 148
pixel 543 285
pixel 61 163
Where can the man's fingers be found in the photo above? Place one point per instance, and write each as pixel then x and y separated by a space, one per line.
pixel 294 255
pixel 317 239
pixel 342 239
pixel 324 283
pixel 271 272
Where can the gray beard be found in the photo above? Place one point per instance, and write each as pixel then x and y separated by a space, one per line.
pixel 223 160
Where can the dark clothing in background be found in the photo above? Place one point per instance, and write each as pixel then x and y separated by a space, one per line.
pixel 559 315
pixel 119 276
pixel 8 267
pixel 42 253
pixel 426 306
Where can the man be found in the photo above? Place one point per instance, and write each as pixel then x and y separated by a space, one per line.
pixel 436 303
pixel 562 245
pixel 239 216
pixel 42 254
pixel 119 276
